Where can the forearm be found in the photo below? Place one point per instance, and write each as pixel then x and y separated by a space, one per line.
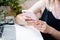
pixel 54 33
pixel 38 7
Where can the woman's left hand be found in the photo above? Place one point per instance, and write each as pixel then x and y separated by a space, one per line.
pixel 42 26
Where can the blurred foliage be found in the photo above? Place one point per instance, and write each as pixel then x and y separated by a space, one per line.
pixel 14 4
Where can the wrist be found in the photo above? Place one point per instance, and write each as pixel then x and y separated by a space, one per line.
pixel 51 30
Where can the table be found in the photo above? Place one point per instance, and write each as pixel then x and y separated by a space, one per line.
pixel 17 32
pixel 27 33
pixel 9 32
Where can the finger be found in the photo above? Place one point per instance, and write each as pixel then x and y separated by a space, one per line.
pixel 29 20
pixel 28 17
pixel 40 27
pixel 40 22
pixel 43 27
pixel 30 23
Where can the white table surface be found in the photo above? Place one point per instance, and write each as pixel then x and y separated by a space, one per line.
pixel 16 32
pixel 9 32
pixel 0 38
pixel 27 33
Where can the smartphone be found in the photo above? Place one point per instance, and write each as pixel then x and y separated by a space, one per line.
pixel 29 14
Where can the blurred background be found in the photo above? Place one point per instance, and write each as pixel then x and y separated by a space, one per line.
pixel 15 7
pixel 8 11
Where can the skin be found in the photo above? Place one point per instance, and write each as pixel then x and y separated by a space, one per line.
pixel 41 25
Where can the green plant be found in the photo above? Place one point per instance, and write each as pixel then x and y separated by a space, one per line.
pixel 14 4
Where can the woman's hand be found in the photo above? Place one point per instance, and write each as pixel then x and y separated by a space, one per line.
pixel 45 28
pixel 24 20
pixel 42 26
